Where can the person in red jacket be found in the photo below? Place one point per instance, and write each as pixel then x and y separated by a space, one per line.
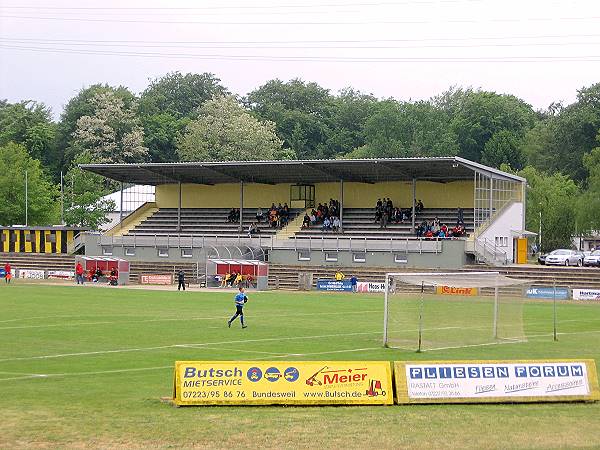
pixel 79 273
pixel 7 273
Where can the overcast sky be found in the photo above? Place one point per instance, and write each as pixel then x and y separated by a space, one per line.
pixel 539 50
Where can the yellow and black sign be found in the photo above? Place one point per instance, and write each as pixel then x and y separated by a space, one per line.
pixel 285 383
pixel 37 239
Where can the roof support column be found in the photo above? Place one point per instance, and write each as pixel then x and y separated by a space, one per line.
pixel 341 206
pixel 414 200
pixel 179 209
pixel 241 206
pixel 121 208
pixel 491 198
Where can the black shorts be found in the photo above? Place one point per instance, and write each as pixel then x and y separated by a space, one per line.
pixel 239 309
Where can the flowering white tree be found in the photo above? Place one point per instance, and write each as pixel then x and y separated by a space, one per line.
pixel 113 134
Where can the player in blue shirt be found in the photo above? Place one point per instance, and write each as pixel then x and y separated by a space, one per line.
pixel 240 300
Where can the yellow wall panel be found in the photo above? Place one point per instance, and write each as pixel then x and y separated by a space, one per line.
pixel 59 235
pixel 27 245
pixel 356 195
pixel 48 245
pixel 37 241
pixel 6 243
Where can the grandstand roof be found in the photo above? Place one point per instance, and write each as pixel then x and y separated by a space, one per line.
pixel 442 169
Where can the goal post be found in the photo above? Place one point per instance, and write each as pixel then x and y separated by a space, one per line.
pixel 437 310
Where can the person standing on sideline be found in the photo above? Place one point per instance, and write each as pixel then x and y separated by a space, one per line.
pixel 354 283
pixel 79 273
pixel 7 273
pixel 181 279
pixel 240 300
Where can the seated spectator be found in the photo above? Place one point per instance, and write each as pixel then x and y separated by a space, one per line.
pixel 238 279
pixel 259 215
pixel 97 275
pixel 428 234
pixel 313 217
pixel 441 234
pixel 232 278
pixel 273 218
pixel 225 280
pixel 306 221
pixel 336 224
pixel 419 206
pixel 231 216
pixel 326 224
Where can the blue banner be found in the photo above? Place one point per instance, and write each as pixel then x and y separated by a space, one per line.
pixel 548 292
pixel 334 285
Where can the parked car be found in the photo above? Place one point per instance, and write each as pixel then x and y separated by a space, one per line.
pixel 542 258
pixel 564 257
pixel 593 259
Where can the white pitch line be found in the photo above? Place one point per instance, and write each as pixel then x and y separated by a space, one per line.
pixel 177 319
pixel 326 353
pixel 192 345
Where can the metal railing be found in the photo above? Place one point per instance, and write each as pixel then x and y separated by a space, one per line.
pixel 490 253
pixel 409 245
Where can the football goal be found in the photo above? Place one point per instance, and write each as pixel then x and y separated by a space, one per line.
pixel 434 311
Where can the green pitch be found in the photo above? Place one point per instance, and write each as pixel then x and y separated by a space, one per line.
pixel 86 367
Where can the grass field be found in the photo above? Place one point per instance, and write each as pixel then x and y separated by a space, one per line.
pixel 106 356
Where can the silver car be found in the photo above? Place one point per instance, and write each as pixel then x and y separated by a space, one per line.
pixel 564 257
pixel 593 259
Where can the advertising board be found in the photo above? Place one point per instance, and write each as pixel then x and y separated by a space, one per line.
pixel 449 290
pixel 283 383
pixel 370 286
pixel 62 274
pixel 156 278
pixel 495 381
pixel 547 292
pixel 586 294
pixel 32 274
pixel 334 285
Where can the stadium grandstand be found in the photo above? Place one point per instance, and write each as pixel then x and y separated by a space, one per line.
pixel 402 212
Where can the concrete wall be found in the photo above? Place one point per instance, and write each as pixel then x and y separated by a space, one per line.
pixel 356 195
pixel 452 257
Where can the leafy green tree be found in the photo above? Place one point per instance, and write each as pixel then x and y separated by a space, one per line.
pixel 79 106
pixel 84 205
pixel 398 130
pixel 113 134
pixel 225 131
pixel 30 123
pixel 477 115
pixel 42 207
pixel 503 148
pixel 588 211
pixel 555 196
pixel 302 113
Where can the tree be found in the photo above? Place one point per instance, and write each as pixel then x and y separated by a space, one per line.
pixel 79 106
pixel 555 196
pixel 503 148
pixel 84 190
pixel 30 123
pixel 302 113
pixel 588 210
pixel 478 115
pixel 42 208
pixel 179 95
pixel 407 130
pixel 113 134
pixel 225 131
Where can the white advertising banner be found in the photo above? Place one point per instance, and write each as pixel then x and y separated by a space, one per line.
pixel 61 274
pixel 31 273
pixel 586 294
pixel 368 286
pixel 496 381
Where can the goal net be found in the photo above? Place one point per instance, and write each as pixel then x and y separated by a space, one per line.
pixel 434 311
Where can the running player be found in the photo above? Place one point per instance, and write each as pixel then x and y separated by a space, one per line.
pixel 240 300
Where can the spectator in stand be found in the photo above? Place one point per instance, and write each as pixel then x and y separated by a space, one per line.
pixel 306 221
pixel 273 217
pixel 378 210
pixel 326 224
pixel 7 273
pixel 284 215
pixel 259 215
pixel 232 278
pixel 79 273
pixel 252 229
pixel 460 217
pixel 231 215
pixel 419 206
pixel 336 224
pixel 238 279
pixel 225 280
pixel 384 220
pixel 313 217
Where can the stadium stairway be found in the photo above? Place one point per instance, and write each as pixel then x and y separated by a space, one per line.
pixel 293 227
pixel 287 277
pixel 134 219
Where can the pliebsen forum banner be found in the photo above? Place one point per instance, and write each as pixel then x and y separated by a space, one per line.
pixel 286 383
pixel 496 381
